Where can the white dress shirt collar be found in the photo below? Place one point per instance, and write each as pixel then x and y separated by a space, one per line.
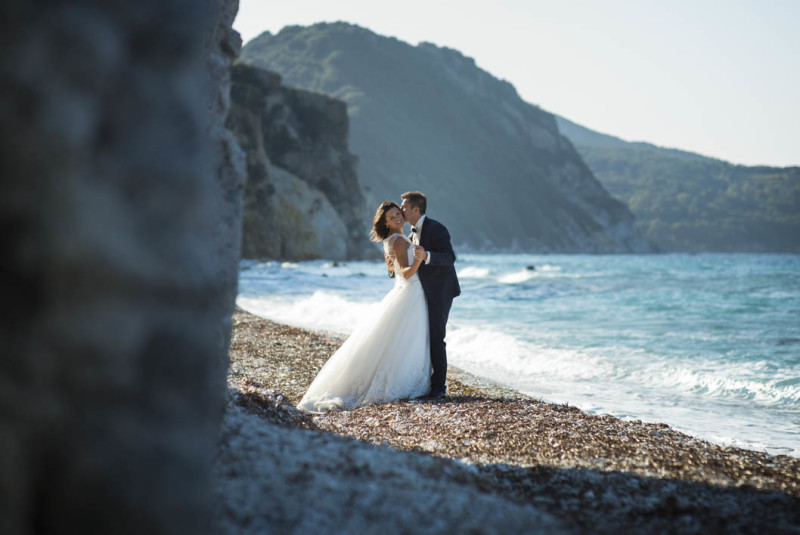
pixel 420 221
pixel 417 240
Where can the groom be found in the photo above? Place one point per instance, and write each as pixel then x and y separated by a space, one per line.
pixel 437 276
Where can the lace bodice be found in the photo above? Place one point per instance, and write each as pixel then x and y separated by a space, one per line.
pixel 388 247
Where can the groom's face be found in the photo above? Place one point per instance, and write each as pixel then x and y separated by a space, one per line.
pixel 410 212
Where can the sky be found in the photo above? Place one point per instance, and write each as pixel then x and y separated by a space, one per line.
pixel 716 77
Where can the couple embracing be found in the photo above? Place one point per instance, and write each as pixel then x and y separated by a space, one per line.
pixel 399 351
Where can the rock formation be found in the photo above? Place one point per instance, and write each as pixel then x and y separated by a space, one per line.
pixel 496 169
pixel 303 199
pixel 120 206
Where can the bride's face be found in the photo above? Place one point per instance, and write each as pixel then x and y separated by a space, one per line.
pixel 394 219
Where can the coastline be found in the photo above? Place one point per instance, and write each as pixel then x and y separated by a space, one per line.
pixel 595 473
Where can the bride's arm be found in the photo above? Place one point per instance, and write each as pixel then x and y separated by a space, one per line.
pixel 400 249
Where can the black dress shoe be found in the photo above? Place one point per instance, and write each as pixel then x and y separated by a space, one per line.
pixel 436 394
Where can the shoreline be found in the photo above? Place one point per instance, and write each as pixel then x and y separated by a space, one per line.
pixel 486 383
pixel 596 473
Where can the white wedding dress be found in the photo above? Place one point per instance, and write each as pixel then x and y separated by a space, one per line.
pixel 386 358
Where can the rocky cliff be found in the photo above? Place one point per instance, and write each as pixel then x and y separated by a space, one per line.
pixel 496 169
pixel 303 199
pixel 120 210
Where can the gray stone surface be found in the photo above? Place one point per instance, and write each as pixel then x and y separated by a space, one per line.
pixel 303 198
pixel 276 479
pixel 305 224
pixel 119 209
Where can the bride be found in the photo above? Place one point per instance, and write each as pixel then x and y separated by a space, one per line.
pixel 388 355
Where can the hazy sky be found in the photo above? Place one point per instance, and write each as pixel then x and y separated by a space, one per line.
pixel 720 78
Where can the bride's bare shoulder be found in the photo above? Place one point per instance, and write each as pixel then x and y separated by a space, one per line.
pixel 393 237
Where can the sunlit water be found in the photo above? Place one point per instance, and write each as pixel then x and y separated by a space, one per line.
pixel 709 344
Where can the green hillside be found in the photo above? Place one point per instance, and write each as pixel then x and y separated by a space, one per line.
pixel 496 169
pixel 688 202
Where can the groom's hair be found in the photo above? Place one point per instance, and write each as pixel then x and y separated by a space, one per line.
pixel 416 198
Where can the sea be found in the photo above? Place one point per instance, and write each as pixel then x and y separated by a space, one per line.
pixel 708 343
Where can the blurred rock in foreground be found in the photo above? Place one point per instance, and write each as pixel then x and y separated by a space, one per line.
pixel 266 486
pixel 120 207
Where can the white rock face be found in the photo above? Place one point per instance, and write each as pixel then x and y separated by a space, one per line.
pixel 303 200
pixel 307 226
pixel 274 479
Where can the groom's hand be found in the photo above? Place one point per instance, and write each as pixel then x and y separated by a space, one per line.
pixel 389 264
pixel 420 253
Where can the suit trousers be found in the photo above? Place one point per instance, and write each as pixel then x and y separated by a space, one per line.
pixel 438 311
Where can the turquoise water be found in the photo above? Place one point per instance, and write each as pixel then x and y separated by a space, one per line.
pixel 709 344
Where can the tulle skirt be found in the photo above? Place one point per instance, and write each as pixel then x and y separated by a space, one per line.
pixel 386 358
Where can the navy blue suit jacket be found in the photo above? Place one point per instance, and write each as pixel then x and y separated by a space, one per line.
pixel 438 279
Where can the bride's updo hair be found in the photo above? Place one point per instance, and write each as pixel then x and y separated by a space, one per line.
pixel 380 230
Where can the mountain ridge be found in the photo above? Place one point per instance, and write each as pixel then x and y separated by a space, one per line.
pixel 496 169
pixel 689 202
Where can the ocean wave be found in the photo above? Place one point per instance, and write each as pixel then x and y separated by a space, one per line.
pixel 529 366
pixel 646 337
pixel 491 351
pixel 522 275
pixel 525 274
pixel 321 311
pixel 517 277
pixel 721 382
pixel 526 365
pixel 548 267
pixel 472 272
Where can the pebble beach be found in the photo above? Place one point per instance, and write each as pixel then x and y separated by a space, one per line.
pixel 493 459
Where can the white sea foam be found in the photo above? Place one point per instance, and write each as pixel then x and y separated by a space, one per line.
pixel 587 378
pixel 631 384
pixel 517 276
pixel 493 351
pixel 472 272
pixel 320 311
pixel 736 382
pixel 711 366
pixel 546 271
pixel 548 267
